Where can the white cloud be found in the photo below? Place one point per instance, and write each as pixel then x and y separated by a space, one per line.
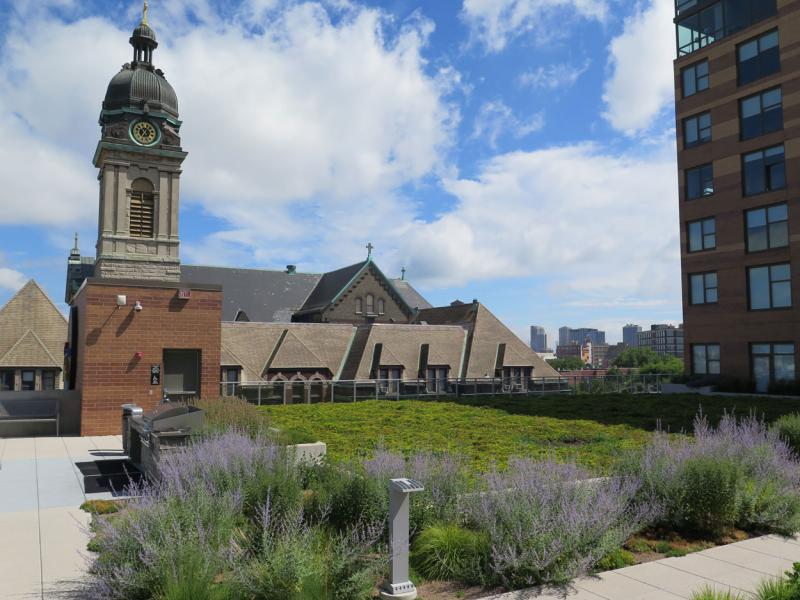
pixel 11 280
pixel 305 113
pixel 553 77
pixel 494 23
pixel 640 88
pixel 495 119
pixel 599 226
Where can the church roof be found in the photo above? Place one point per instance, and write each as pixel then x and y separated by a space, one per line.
pixel 32 330
pixel 331 285
pixel 260 295
pixel 335 283
pixel 263 296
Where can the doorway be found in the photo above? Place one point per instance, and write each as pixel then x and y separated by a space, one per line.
pixel 181 374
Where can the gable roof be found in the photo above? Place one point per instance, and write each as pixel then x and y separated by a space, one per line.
pixel 402 344
pixel 29 351
pixel 32 329
pixel 335 283
pixel 263 296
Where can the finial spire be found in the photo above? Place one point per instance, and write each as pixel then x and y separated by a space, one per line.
pixel 403 274
pixel 75 247
pixel 144 13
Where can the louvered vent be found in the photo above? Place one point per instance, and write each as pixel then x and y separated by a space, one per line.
pixel 142 214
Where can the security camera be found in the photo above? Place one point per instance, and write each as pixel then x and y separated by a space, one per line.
pixel 138 306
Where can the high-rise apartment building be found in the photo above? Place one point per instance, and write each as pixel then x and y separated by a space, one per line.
pixel 737 89
pixel 630 335
pixel 666 340
pixel 538 339
pixel 567 336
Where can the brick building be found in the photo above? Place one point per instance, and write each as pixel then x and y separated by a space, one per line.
pixel 737 90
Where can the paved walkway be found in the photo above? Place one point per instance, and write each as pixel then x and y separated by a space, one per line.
pixel 737 567
pixel 43 533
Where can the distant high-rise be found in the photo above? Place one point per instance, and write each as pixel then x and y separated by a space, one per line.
pixel 630 335
pixel 538 339
pixel 737 107
pixel 567 336
pixel 666 340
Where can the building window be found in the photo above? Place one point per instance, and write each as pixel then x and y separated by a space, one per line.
pixel 702 235
pixel 703 288
pixel 381 306
pixel 699 181
pixel 6 381
pixel 772 363
pixel 231 377
pixel 370 304
pixel 767 228
pixel 770 287
pixel 28 381
pixel 759 57
pixel 359 306
pixel 142 209
pixel 436 380
pixel 695 78
pixel 764 171
pixel 761 114
pixel 718 20
pixel 697 130
pixel 705 359
pixel 390 378
pixel 48 380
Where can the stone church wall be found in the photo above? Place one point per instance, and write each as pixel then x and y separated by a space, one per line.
pixel 345 310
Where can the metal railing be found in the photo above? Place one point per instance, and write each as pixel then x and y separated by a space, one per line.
pixel 318 391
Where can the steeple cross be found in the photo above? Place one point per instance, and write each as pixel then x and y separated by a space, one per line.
pixel 403 274
pixel 370 248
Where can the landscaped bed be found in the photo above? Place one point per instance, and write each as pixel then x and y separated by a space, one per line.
pixel 236 518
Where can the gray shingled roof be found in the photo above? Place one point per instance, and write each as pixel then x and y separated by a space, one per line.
pixel 330 285
pixel 267 296
pixel 264 296
pixel 412 297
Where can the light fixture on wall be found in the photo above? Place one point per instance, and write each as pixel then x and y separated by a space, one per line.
pixel 138 306
pixel 122 300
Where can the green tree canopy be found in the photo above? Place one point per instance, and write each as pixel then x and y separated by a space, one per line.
pixel 647 361
pixel 570 363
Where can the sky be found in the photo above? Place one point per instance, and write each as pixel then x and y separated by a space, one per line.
pixel 521 152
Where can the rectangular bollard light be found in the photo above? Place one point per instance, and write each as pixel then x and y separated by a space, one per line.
pixel 399 585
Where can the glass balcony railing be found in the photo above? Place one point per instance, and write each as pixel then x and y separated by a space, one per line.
pixel 707 22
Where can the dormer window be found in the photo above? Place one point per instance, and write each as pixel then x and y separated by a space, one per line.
pixel 142 209
pixel 359 306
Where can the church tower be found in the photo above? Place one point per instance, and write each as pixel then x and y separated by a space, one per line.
pixel 139 157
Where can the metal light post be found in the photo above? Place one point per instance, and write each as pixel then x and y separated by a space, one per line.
pixel 399 586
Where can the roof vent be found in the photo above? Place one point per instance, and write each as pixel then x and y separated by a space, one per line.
pixel 291 269
pixel 456 303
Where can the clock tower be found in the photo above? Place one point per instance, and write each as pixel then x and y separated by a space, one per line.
pixel 139 158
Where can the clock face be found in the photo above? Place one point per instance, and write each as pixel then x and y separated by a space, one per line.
pixel 144 133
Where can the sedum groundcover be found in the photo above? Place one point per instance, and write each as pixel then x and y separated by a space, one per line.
pixel 235 516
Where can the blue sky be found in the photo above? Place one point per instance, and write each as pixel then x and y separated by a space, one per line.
pixel 516 151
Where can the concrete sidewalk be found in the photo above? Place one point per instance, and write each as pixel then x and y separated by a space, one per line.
pixel 43 534
pixel 737 567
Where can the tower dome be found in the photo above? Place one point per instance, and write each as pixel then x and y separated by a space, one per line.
pixel 139 85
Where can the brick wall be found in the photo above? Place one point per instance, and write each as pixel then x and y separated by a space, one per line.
pixel 108 372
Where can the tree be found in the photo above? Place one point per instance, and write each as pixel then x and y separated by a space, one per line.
pixel 570 363
pixel 648 362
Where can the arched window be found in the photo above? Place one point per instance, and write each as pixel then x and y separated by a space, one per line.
pixel 370 304
pixel 143 208
pixel 381 306
pixel 359 306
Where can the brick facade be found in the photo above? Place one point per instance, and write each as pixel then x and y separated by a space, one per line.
pixel 107 370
